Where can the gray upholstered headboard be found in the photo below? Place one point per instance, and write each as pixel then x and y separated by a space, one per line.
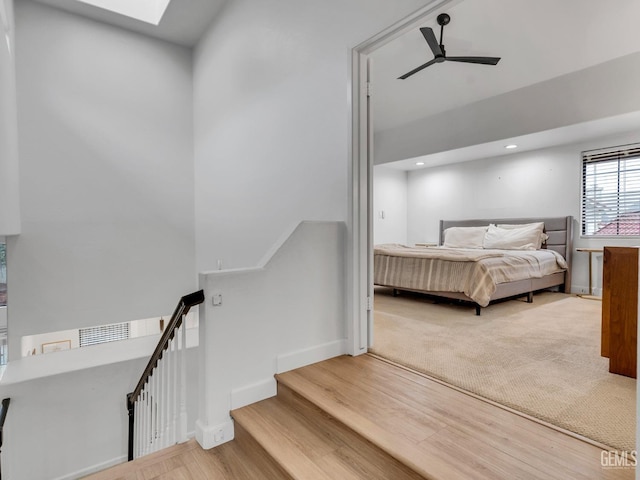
pixel 559 229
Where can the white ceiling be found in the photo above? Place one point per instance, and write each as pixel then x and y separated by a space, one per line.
pixel 184 22
pixel 577 133
pixel 537 40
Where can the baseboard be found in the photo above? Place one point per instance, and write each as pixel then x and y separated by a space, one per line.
pixel 104 465
pixel 93 469
pixel 212 436
pixel 268 388
pixel 307 356
pixel 253 393
pixel 584 290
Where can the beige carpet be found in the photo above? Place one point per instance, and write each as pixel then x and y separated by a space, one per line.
pixel 542 359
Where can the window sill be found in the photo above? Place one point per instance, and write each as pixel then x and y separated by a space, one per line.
pixel 610 237
pixel 41 366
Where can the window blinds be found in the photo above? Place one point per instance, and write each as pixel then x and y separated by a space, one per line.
pixel 611 191
pixel 103 334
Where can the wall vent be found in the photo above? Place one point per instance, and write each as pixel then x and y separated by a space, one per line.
pixel 104 334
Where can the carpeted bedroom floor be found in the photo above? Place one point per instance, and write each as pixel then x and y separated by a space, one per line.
pixel 542 359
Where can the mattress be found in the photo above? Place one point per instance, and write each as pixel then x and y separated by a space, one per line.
pixel 474 272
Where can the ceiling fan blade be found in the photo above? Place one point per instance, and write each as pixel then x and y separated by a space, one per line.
pixel 416 70
pixel 430 37
pixel 482 60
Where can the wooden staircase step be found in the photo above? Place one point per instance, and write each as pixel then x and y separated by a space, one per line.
pixel 240 459
pixel 309 444
pixel 361 417
pixel 439 432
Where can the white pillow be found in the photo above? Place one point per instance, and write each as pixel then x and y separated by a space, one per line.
pixel 464 237
pixel 516 238
pixel 535 225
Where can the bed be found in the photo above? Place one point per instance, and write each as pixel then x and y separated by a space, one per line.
pixel 480 275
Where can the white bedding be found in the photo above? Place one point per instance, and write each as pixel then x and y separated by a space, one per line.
pixel 476 273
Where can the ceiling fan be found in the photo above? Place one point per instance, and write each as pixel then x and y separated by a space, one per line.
pixel 439 54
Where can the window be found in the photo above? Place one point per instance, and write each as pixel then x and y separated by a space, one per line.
pixel 104 334
pixel 84 337
pixel 611 191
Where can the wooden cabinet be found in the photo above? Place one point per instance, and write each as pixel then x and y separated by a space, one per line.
pixel 620 309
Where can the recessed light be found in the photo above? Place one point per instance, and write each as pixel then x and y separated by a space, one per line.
pixel 511 146
pixel 419 164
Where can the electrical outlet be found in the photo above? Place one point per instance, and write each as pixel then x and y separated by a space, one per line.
pixel 218 436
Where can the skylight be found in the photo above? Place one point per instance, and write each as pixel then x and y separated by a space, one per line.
pixel 150 11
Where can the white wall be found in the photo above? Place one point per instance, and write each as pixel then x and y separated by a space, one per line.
pixel 34 344
pixel 68 425
pixel 9 187
pixel 389 205
pixel 272 140
pixel 287 312
pixel 106 193
pixel 106 175
pixel 538 183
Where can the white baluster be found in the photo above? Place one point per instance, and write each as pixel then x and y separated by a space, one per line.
pixel 168 393
pixel 174 390
pixel 152 386
pixel 183 383
pixel 145 433
pixel 154 409
pixel 167 396
pixel 161 401
pixel 148 426
pixel 135 429
pixel 140 422
pixel 161 408
pixel 152 400
pixel 143 427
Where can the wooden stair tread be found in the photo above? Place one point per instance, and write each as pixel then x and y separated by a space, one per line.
pixel 439 432
pixel 235 460
pixel 352 418
pixel 309 444
pixel 129 470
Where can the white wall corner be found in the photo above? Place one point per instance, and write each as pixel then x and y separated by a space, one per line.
pixel 307 356
pixel 212 436
pixel 253 393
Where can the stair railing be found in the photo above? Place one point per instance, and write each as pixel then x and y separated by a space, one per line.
pixel 4 408
pixel 157 406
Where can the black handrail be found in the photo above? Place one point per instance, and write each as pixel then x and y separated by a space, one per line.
pixel 3 415
pixel 181 310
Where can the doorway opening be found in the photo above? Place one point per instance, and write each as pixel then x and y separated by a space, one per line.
pixel 366 215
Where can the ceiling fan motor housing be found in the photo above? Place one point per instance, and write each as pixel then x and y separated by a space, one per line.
pixel 443 19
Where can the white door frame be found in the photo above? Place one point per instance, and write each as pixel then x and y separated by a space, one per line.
pixel 360 238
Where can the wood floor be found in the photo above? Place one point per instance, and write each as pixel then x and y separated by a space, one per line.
pixel 363 418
